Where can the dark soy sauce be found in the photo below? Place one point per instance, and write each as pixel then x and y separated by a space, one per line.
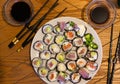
pixel 99 15
pixel 20 11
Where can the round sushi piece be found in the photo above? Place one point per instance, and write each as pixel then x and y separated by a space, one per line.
pixel 48 39
pixel 75 77
pixel 43 72
pixel 57 29
pixel 92 55
pixel 81 51
pixel 85 74
pixel 63 77
pixel 81 30
pixel 78 42
pixel 51 64
pixel 71 65
pixel 37 62
pixel 81 62
pixel 45 55
pixel 39 46
pixel 61 67
pixel 92 66
pixel 52 76
pixel 48 28
pixel 60 57
pixel 59 39
pixel 67 46
pixel 70 35
pixel 54 48
pixel 72 55
pixel 70 25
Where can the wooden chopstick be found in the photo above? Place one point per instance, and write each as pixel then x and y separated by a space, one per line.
pixel 25 29
pixel 110 55
pixel 35 27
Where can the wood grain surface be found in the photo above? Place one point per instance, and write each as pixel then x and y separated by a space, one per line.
pixel 15 68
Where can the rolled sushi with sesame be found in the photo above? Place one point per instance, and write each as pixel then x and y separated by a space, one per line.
pixel 66 46
pixel 51 64
pixel 72 55
pixel 81 62
pixel 48 28
pixel 71 65
pixel 39 46
pixel 59 39
pixel 75 78
pixel 54 48
pixel 92 66
pixel 60 57
pixel 81 51
pixel 43 72
pixel 70 35
pixel 78 42
pixel 48 39
pixel 37 62
pixel 92 55
pixel 61 67
pixel 52 76
pixel 45 55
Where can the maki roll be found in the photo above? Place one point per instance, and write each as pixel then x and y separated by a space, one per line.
pixel 63 77
pixel 57 29
pixel 60 57
pixel 72 55
pixel 70 25
pixel 51 64
pixel 54 48
pixel 81 30
pixel 59 39
pixel 75 77
pixel 36 62
pixel 70 35
pixel 71 65
pixel 39 46
pixel 85 74
pixel 43 72
pixel 47 28
pixel 81 62
pixel 78 42
pixel 45 55
pixel 92 55
pixel 48 39
pixel 92 66
pixel 67 46
pixel 81 51
pixel 61 67
pixel 52 76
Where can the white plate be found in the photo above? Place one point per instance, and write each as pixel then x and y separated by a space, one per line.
pixel 39 36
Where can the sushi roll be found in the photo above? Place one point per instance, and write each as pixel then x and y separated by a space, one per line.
pixel 78 42
pixel 37 62
pixel 85 74
pixel 45 55
pixel 43 72
pixel 48 39
pixel 75 78
pixel 39 46
pixel 70 35
pixel 54 48
pixel 52 76
pixel 63 77
pixel 72 55
pixel 81 62
pixel 51 64
pixel 67 46
pixel 57 29
pixel 71 65
pixel 70 25
pixel 92 66
pixel 60 57
pixel 59 39
pixel 62 25
pixel 48 28
pixel 92 55
pixel 61 67
pixel 81 51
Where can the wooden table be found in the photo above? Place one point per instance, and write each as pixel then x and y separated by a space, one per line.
pixel 15 68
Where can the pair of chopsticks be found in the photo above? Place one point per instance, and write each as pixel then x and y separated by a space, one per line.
pixel 117 55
